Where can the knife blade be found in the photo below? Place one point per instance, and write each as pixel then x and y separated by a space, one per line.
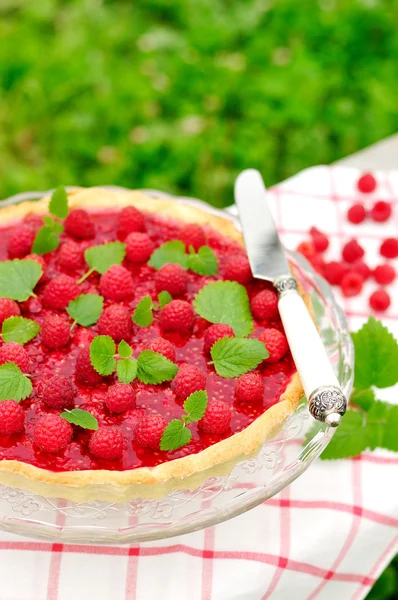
pixel 264 249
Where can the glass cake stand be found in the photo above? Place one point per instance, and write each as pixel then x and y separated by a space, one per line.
pixel 279 462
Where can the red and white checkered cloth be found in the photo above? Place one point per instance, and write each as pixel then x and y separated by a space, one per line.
pixel 329 535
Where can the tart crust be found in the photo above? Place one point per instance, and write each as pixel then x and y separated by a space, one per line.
pixel 187 472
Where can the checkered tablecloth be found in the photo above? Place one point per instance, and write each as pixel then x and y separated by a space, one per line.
pixel 329 535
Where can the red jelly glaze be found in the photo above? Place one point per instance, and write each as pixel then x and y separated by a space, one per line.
pixel 151 398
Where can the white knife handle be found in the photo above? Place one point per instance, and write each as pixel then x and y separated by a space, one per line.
pixel 325 397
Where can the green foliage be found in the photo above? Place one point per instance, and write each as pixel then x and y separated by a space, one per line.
pixel 181 95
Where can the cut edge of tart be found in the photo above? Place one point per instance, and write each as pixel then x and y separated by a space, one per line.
pixel 187 472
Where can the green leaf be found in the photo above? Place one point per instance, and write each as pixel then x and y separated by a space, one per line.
pixel 233 357
pixel 376 421
pixel 86 309
pixel 101 258
pixel 195 406
pixel 204 262
pixel 350 439
pixel 164 298
pixel 124 350
pixel 169 253
pixel 363 398
pixel 142 314
pixel 18 278
pixel 102 354
pixel 225 302
pixel 175 435
pixel 390 432
pixel 126 370
pixel 14 385
pixel 376 356
pixel 155 368
pixel 80 417
pixel 19 330
pixel 46 240
pixel 59 203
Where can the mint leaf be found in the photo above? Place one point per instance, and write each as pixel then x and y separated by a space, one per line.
pixel 126 370
pixel 195 406
pixel 101 258
pixel 56 226
pixel 18 278
pixel 233 357
pixel 390 436
pixel 376 420
pixel 204 262
pixel 102 354
pixel 155 368
pixel 350 439
pixel 169 253
pixel 142 314
pixel 80 417
pixel 19 330
pixel 124 350
pixel 376 356
pixel 164 298
pixel 14 385
pixel 59 203
pixel 225 302
pixel 363 398
pixel 86 309
pixel 175 436
pixel 47 238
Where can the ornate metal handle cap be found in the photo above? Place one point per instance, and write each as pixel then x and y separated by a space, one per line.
pixel 328 403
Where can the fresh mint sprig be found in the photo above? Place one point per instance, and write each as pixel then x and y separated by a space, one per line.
pixel 86 309
pixel 176 433
pixel 18 278
pixel 14 385
pixel 80 417
pixel 48 237
pixel 204 262
pixel 101 258
pixel 19 329
pixel 233 357
pixel 143 312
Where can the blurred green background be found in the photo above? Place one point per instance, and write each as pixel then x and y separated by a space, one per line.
pixel 182 94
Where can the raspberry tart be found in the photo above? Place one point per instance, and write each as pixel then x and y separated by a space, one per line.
pixel 137 355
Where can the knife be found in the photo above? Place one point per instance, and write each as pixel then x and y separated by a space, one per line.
pixel 268 261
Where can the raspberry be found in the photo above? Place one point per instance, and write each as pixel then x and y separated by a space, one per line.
pixel 334 272
pixel 319 239
pixel 55 332
pixel 163 347
pixel 20 241
pixel 366 183
pixel 117 284
pixel 120 397
pixel 8 308
pixel 70 256
pixel 84 370
pixel 214 333
pixel 58 392
pixel 264 305
pixel 177 315
pixel 149 431
pixel 381 211
pixel 39 259
pixel 172 279
pixel 276 344
pixel 361 268
pixel 380 300
pixel 250 387
pixel 12 417
pixel 139 247
pixel 15 353
pixel 307 249
pixel 217 417
pixel 130 219
pixel 35 221
pixel 352 251
pixel 384 274
pixel 107 443
pixel 237 268
pixel 389 248
pixel 189 379
pixel 60 291
pixel 193 235
pixel 351 284
pixel 79 225
pixel 356 214
pixel 52 433
pixel 116 322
